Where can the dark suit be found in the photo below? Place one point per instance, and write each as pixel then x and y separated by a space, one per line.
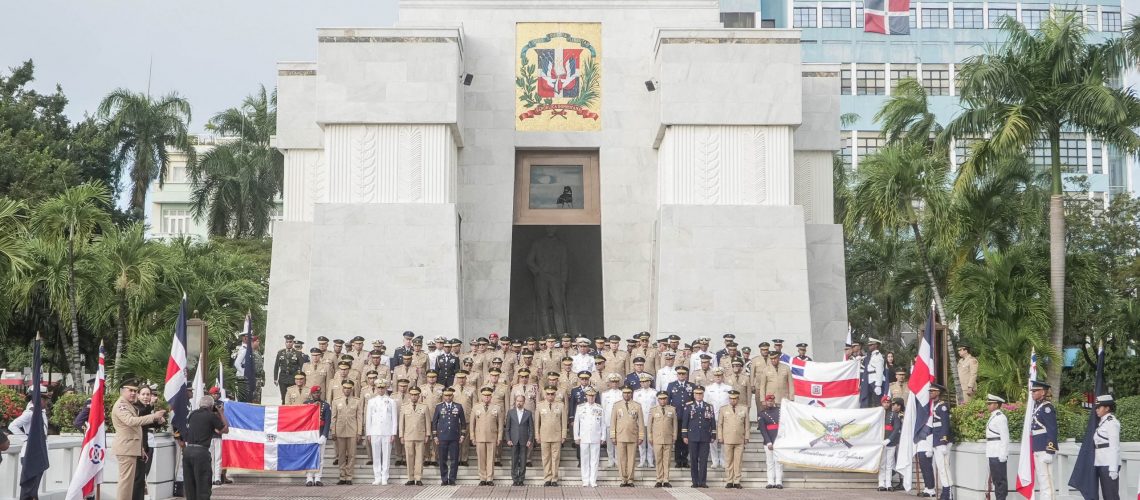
pixel 519 433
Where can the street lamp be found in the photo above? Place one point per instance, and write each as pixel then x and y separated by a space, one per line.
pixel 197 340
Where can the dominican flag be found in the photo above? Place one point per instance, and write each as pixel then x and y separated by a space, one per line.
pixel 175 389
pixel 1084 469
pixel 889 17
pixel 243 362
pixel 1026 468
pixel 283 438
pixel 829 385
pixel 916 424
pixel 89 472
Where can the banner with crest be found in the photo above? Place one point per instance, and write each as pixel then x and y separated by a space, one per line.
pixel 830 438
pixel 558 76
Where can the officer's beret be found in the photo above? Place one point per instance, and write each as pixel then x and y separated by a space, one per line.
pixel 494 335
pixel 770 397
pixel 314 389
pixel 322 338
pixel 315 350
pixel 626 389
pixel 662 395
pixel 584 374
pixel 486 391
pixel 885 398
pixel 409 334
pixel 802 345
pixel 638 359
pixel 290 337
pixel 298 375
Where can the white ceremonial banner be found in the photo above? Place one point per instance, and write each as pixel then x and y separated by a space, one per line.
pixel 830 438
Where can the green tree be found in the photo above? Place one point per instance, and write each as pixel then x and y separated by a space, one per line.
pixel 236 184
pixel 130 266
pixel 1038 84
pixel 144 130
pixel 72 218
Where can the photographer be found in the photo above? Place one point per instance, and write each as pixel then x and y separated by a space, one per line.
pixel 201 427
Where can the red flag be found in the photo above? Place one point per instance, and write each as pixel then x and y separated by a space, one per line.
pixel 89 472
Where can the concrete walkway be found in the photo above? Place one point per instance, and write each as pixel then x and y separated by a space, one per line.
pixel 367 491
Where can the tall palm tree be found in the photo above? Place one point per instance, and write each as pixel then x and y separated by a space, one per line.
pixel 906 114
pixel 1035 86
pixel 237 183
pixel 145 129
pixel 72 218
pixel 130 266
pixel 899 188
pixel 13 251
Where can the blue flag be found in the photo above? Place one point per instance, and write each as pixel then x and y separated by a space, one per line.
pixel 36 457
pixel 175 390
pixel 250 372
pixel 1084 469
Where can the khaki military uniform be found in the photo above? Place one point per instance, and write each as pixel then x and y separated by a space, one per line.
pixel 617 362
pixel 550 430
pixel 529 391
pixel 702 377
pixel 128 442
pixel 740 382
pixel 382 372
pixel 662 433
pixel 420 361
pixel 732 428
pixel 411 373
pixel 415 429
pixel 486 430
pixel 359 358
pixel 626 429
pixel 334 385
pixel 650 355
pixel 774 380
pixel 550 361
pixel 347 426
pixel 316 374
pixel 297 395
pixel 431 395
pixel 968 375
pixel 465 396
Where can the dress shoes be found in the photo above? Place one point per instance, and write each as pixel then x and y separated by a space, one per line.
pixel 410 483
pixel 656 485
pixel 318 483
pixel 779 486
pixel 419 483
pixel 308 483
pixel 667 484
pixel 880 489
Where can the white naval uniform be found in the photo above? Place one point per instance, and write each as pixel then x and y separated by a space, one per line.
pixel 1107 444
pixel 589 426
pixel 665 376
pixel 717 396
pixel 380 424
pixel 647 398
pixel 875 368
pixel 608 399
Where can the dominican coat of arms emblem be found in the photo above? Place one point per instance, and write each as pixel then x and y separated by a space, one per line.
pixel 558 76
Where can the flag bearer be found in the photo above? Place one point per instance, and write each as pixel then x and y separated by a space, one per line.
pixel 1107 442
pixel 943 436
pixel 1044 440
pixel 997 445
pixel 347 425
pixel 769 423
pixel 892 427
pixel 661 432
pixel 313 477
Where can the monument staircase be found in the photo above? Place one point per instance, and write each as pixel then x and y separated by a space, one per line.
pixel 753 473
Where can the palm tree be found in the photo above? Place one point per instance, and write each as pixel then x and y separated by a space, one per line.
pixel 237 183
pixel 145 129
pixel 1038 84
pixel 72 217
pixel 906 114
pixel 899 188
pixel 130 265
pixel 13 252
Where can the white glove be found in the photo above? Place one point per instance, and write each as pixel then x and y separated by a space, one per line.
pixel 1048 458
pixel 1114 475
pixel 930 454
pixel 878 391
pixel 942 449
pixel 321 440
pixel 886 442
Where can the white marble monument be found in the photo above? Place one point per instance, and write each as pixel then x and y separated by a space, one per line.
pixel 713 191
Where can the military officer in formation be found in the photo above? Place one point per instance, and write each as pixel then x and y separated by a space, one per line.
pixel 550 421
pixel 129 438
pixel 773 378
pixel 997 445
pixel 1044 440
pixel 769 424
pixel 415 425
pixel 627 431
pixel 892 429
pixel 661 433
pixel 486 431
pixel 381 425
pixel 732 430
pixel 288 363
pixel 680 394
pixel 449 430
pixel 943 436
pixel 698 430
pixel 589 429
pixel 298 392
pixel 313 477
pixel 316 371
pixel 801 349
pixel 1106 441
pixel 347 426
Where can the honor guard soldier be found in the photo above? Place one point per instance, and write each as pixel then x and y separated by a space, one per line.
pixel 347 425
pixel 129 438
pixel 698 429
pixel 313 477
pixel 892 428
pixel 1044 438
pixel 297 392
pixel 732 430
pixel 316 371
pixel 589 428
pixel 802 349
pixel 415 428
pixel 381 425
pixel 449 429
pixel 288 363
pixel 627 430
pixel 550 421
pixel 997 446
pixel 680 394
pixel 486 431
pixel 397 355
pixel 661 432
pixel 769 423
pixel 943 435
pixel 1107 444
pixel 874 369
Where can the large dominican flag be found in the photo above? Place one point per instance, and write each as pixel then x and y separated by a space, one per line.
pixel 93 456
pixel 916 423
pixel 175 388
pixel 271 437
pixel 1026 466
pixel 889 17
pixel 829 385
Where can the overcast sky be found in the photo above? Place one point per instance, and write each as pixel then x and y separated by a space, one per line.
pixel 212 52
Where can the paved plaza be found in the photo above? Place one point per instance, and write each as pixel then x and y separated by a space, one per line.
pixel 367 491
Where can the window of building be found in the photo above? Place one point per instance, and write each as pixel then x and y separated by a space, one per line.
pixel 870 81
pixel 1090 18
pixel 935 18
pixel 867 146
pixel 845 149
pixel 900 72
pixel 1117 179
pixel 968 19
pixel 936 80
pixel 845 82
pixel 803 17
pixel 177 174
pixel 1097 157
pixel 996 15
pixel 175 221
pixel 860 17
pixel 913 19
pixel 738 19
pixel 962 150
pixel 1111 21
pixel 1074 158
pixel 1032 18
pixel 836 17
